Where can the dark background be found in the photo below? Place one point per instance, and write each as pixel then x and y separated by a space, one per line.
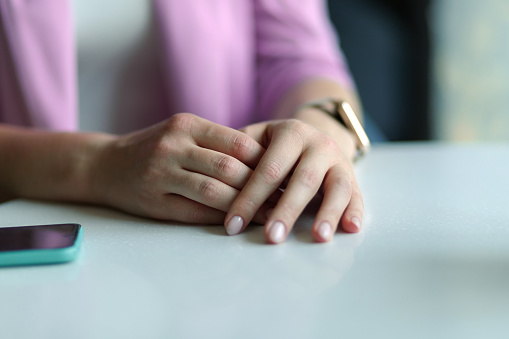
pixel 388 48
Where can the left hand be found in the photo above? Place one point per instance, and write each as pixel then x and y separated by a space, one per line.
pixel 311 160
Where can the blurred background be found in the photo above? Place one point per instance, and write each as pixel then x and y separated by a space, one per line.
pixel 429 69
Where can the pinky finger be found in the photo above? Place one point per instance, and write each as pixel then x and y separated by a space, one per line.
pixel 341 205
pixel 178 208
pixel 337 197
pixel 352 218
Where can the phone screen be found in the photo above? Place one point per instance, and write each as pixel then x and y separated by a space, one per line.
pixel 38 237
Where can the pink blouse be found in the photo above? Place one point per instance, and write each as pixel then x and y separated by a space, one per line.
pixel 229 61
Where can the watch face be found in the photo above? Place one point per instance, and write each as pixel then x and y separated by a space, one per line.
pixel 354 125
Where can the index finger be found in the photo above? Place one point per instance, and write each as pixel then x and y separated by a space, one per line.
pixel 228 141
pixel 272 170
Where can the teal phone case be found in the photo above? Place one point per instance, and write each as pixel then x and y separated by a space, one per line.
pixel 42 256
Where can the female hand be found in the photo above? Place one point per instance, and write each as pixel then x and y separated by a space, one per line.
pixel 185 169
pixel 311 160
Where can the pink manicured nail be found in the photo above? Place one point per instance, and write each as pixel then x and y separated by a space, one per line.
pixel 325 230
pixel 357 222
pixel 234 225
pixel 277 232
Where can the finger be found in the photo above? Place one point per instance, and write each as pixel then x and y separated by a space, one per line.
pixel 338 190
pixel 352 218
pixel 258 131
pixel 266 179
pixel 179 208
pixel 228 141
pixel 205 190
pixel 212 193
pixel 302 187
pixel 217 165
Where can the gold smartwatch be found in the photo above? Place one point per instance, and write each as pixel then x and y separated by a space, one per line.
pixel 344 114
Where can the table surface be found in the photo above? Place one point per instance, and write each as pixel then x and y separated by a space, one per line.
pixel 431 262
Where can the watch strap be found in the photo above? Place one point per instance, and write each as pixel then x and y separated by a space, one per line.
pixel 344 114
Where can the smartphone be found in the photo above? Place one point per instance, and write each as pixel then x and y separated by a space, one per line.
pixel 39 244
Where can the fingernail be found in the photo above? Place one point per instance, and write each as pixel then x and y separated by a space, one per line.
pixel 234 225
pixel 325 230
pixel 277 232
pixel 357 222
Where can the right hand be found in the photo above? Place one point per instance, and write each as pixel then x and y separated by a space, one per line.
pixel 184 169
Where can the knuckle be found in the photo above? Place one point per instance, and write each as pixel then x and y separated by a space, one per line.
pixel 309 178
pixel 297 128
pixel 181 122
pixel 272 172
pixel 241 145
pixel 160 149
pixel 196 214
pixel 226 165
pixel 208 189
pixel 330 145
pixel 344 185
pixel 295 125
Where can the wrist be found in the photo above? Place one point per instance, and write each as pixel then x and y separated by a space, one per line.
pixel 94 168
pixel 328 125
pixel 343 113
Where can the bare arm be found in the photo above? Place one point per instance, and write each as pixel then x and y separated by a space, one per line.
pixel 47 165
pixel 185 168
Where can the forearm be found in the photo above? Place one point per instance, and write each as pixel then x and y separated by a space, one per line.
pixel 318 89
pixel 47 165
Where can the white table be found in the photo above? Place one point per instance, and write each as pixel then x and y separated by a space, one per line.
pixel 432 262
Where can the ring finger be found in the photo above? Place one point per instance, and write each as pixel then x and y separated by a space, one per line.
pixel 217 165
pixel 212 192
pixel 338 189
pixel 302 187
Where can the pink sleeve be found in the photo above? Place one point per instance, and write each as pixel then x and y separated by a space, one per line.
pixel 295 42
pixel 38 64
